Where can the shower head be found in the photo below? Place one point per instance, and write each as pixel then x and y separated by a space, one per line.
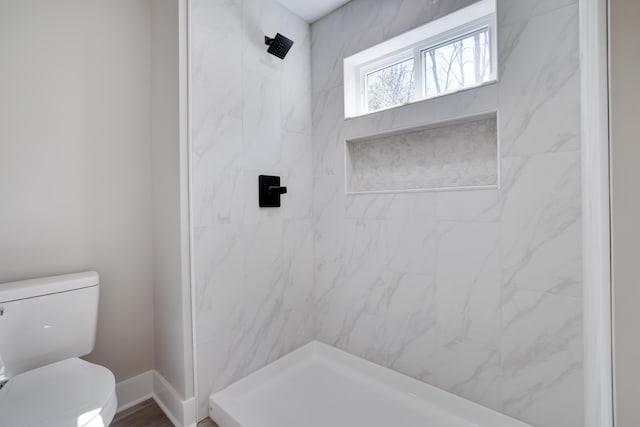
pixel 279 45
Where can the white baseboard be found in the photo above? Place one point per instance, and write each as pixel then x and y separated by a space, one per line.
pixel 134 390
pixel 182 413
pixel 152 385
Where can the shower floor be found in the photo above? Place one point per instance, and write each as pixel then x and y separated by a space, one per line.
pixel 321 386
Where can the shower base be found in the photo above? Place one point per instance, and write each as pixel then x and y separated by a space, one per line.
pixel 321 386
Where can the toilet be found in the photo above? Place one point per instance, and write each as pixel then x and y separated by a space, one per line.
pixel 45 326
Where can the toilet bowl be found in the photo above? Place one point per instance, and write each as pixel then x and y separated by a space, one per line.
pixel 70 393
pixel 45 325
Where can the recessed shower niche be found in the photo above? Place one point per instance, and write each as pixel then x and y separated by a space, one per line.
pixel 458 154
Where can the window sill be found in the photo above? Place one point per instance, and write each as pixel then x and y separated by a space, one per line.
pixel 421 100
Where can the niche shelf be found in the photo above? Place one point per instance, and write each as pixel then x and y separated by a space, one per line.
pixel 460 154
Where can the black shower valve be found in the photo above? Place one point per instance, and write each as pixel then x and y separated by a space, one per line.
pixel 270 190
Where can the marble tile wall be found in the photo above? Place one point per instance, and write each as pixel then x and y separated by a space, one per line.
pixel 251 116
pixel 462 154
pixel 476 292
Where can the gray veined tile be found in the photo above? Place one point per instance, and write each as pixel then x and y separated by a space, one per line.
pixel 542 358
pixel 218 264
pixel 511 12
pixel 468 282
pixel 216 37
pixel 541 224
pixel 369 206
pixel 468 368
pixel 328 144
pixel 539 89
pixel 411 233
pixel 327 51
pixel 365 254
pixel 474 205
pixel 217 172
pixel 295 91
pixel 296 164
pixel 407 304
pixel 262 127
pixel 328 217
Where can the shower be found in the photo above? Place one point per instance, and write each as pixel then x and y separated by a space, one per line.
pixel 279 45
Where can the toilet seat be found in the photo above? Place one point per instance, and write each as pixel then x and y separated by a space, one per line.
pixel 70 393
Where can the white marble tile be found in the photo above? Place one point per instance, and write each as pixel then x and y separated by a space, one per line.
pixel 298 276
pixel 466 368
pixel 541 223
pixel 349 316
pixel 369 206
pixel 510 12
pixel 328 307
pixel 262 127
pixel 327 53
pixel 216 38
pixel 218 272
pixel 441 8
pixel 328 217
pixel 217 172
pixel 411 234
pixel 231 310
pixel 297 236
pixel 295 85
pixel 365 253
pixel 540 84
pixel 474 205
pixel 401 332
pixel 328 143
pixel 468 281
pixel 296 164
pixel 542 358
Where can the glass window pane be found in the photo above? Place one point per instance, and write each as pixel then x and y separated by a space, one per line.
pixel 461 63
pixel 390 86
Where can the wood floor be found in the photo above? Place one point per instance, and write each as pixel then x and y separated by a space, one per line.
pixel 148 414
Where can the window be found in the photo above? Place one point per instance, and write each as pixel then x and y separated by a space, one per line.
pixel 390 86
pixel 453 53
pixel 457 64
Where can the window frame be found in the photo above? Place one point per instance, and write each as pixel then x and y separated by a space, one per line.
pixel 458 25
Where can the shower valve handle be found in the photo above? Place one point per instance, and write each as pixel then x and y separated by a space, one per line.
pixel 278 190
pixel 269 191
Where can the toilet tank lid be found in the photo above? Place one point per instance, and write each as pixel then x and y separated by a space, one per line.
pixel 23 289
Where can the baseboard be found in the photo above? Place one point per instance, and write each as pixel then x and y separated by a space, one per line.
pixel 182 413
pixel 134 390
pixel 152 385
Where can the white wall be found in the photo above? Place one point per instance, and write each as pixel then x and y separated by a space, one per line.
pixel 251 116
pixel 625 151
pixel 476 292
pixel 75 167
pixel 171 268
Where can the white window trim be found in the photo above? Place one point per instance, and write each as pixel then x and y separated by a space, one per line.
pixel 466 21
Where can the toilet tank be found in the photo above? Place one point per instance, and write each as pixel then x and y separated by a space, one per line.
pixel 46 320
